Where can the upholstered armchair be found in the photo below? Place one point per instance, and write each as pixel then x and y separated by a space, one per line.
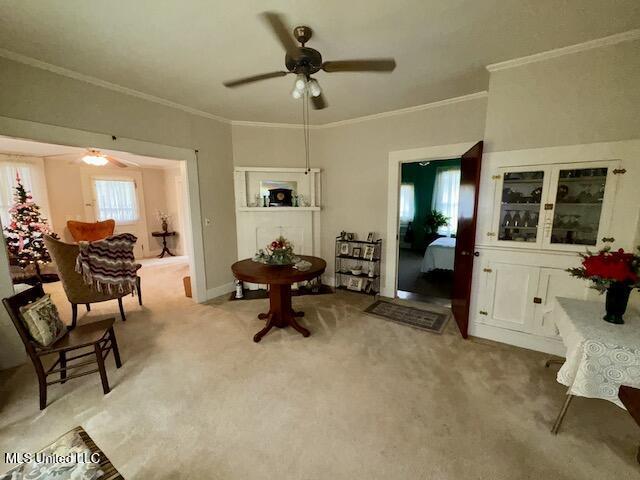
pixel 90 232
pixel 77 291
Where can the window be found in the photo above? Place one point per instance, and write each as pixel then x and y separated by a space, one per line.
pixel 445 198
pixel 8 171
pixel 116 199
pixel 407 203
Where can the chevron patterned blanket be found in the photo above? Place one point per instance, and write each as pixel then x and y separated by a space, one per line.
pixel 108 264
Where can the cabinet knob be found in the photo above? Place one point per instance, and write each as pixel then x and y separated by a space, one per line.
pixel 608 239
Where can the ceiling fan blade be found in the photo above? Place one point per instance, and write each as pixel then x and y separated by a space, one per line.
pixel 367 65
pixel 255 78
pixel 319 102
pixel 115 161
pixel 280 29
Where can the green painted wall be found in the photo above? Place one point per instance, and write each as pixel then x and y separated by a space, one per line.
pixel 423 179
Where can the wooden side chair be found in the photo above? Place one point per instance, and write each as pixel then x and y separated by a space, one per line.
pixel 77 291
pixel 91 342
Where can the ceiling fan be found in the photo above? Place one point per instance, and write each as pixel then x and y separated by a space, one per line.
pixel 96 158
pixel 304 62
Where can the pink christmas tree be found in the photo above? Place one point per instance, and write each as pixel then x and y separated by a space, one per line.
pixel 24 234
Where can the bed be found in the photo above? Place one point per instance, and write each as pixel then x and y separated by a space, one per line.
pixel 439 255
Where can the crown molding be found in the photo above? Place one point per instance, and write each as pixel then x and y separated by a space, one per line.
pixel 247 123
pixel 65 72
pixel 375 116
pixel 402 111
pixel 559 52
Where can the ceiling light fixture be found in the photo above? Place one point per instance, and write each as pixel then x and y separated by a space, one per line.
pixel 95 157
pixel 301 81
pixel 314 88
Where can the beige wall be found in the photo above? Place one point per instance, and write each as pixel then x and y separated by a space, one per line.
pixel 175 208
pixel 587 97
pixel 155 198
pixel 267 146
pixel 29 93
pixel 68 203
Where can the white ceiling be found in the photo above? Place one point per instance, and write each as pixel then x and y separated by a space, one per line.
pixel 182 50
pixel 19 146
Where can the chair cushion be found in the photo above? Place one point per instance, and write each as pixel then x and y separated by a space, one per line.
pixel 90 232
pixel 43 321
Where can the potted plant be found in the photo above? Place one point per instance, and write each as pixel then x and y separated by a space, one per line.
pixel 434 220
pixel 616 273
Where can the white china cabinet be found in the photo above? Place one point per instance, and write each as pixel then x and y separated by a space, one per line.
pixel 561 207
pixel 539 209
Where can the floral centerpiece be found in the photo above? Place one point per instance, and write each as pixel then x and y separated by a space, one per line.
pixel 278 252
pixel 616 273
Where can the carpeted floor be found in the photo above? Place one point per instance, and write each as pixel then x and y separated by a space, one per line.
pixel 435 284
pixel 362 398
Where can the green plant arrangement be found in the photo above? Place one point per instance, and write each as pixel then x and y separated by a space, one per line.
pixel 616 273
pixel 278 252
pixel 434 220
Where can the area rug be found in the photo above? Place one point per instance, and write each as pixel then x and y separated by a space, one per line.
pixel 79 459
pixel 414 317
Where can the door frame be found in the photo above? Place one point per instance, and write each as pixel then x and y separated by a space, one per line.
pixel 42 132
pixel 396 159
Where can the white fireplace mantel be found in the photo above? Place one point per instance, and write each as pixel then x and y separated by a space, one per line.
pixel 258 226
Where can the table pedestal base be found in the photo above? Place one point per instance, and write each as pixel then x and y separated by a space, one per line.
pixel 281 313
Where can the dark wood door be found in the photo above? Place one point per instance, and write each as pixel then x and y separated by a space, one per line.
pixel 466 235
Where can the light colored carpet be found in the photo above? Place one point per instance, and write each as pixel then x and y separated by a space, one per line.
pixel 362 398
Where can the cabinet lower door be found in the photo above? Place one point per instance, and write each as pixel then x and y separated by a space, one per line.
pixel 509 291
pixel 555 282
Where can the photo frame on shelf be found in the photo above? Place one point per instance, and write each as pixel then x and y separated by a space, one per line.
pixel 356 252
pixel 344 249
pixel 371 237
pixel 369 252
pixel 355 284
pixel 350 236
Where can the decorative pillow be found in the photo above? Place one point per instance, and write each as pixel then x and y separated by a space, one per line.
pixel 43 321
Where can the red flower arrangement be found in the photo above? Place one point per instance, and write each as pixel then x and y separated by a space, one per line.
pixel 606 268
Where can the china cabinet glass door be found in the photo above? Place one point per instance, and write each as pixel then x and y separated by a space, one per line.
pixel 520 206
pixel 578 206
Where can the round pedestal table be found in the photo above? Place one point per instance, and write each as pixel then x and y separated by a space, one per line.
pixel 279 278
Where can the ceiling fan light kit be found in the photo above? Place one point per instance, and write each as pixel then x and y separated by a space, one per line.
pixel 94 157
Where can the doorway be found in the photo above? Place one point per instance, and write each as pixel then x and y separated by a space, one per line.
pixel 470 155
pixel 183 161
pixel 428 219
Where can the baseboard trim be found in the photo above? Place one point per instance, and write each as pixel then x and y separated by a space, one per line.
pixel 518 339
pixel 221 290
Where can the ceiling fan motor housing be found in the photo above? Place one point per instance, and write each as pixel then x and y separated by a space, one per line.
pixel 302 34
pixel 309 61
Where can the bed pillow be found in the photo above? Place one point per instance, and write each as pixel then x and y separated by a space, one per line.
pixel 43 321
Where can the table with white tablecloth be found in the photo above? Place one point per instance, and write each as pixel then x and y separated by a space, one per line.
pixel 600 356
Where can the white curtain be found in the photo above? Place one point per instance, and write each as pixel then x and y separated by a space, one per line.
pixel 445 197
pixel 8 183
pixel 407 203
pixel 116 199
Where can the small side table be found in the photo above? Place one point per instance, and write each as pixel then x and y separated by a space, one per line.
pixel 164 236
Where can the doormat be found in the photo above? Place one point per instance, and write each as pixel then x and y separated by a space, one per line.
pixel 414 317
